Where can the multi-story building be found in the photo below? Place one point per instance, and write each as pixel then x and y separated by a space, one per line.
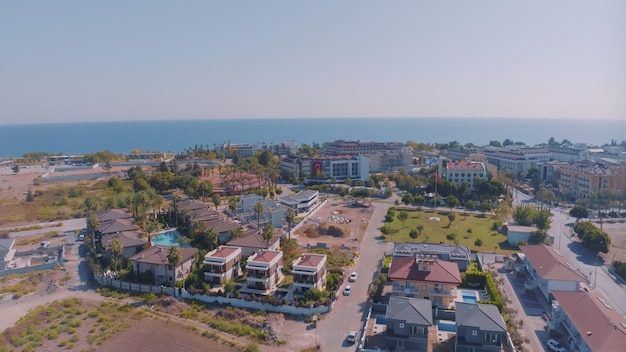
pixel 252 242
pixel 309 271
pixel 390 160
pixel 355 167
pixel 357 147
pixel 302 201
pixel 549 271
pixel 578 152
pixel 154 260
pixel 264 270
pixel 479 328
pixel 408 321
pixel 222 264
pixel 462 171
pixel 588 322
pixel 428 278
pixel 246 149
pixel 517 160
pixel 296 166
pixel 460 255
pixel 582 179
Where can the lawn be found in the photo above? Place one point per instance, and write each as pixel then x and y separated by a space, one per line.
pixel 466 229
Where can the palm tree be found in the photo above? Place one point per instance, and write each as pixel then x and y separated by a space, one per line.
pixel 290 216
pixel 235 233
pixel 215 198
pixel 233 202
pixel 115 250
pixel 174 257
pixel 268 233
pixel 258 210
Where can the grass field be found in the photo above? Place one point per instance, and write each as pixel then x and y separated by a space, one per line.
pixel 464 230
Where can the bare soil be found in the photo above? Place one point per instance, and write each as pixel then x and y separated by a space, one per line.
pixel 337 224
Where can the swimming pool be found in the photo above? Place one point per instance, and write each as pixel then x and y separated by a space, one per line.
pixel 380 319
pixel 469 296
pixel 168 238
pixel 446 325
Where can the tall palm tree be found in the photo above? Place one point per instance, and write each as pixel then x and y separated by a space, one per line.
pixel 115 250
pixel 258 210
pixel 233 202
pixel 268 233
pixel 174 257
pixel 290 216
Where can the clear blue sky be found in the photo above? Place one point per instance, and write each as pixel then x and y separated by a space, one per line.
pixel 146 60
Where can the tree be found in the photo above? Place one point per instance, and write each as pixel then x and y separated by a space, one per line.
pixel 403 216
pixel 29 196
pixel 259 209
pixel 451 237
pixel 290 217
pixel 174 257
pixel 216 200
pixel 233 203
pixel 414 233
pixel 15 169
pixel 107 167
pixel 235 233
pixel 115 250
pixel 579 212
pixel 478 242
pixel 268 233
pixel 407 199
pixel 452 201
pixel 420 228
pixel 451 218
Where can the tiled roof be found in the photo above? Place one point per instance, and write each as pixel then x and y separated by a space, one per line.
pixel 264 256
pixel 223 252
pixel 252 240
pixel 406 268
pixel 112 214
pixel 602 328
pixel 117 225
pixel 410 310
pixel 191 204
pixel 158 255
pixel 126 238
pixel 550 264
pixel 310 260
pixel 221 226
pixel 486 317
pixel 465 166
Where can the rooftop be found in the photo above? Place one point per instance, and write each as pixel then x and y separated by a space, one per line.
pixel 310 260
pixel 550 264
pixel 486 317
pixel 264 256
pixel 223 252
pixel 406 268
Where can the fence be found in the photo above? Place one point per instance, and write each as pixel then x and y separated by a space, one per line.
pixel 26 269
pixel 235 302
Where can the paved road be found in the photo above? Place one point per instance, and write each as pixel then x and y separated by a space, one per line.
pixel 598 277
pixel 349 313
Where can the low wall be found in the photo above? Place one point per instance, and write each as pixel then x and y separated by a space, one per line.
pixel 27 269
pixel 235 302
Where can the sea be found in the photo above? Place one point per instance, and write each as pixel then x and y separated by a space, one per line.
pixel 178 135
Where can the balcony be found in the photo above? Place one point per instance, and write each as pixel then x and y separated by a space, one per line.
pixel 442 292
pixel 258 275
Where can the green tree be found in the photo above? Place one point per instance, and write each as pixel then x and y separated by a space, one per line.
pixel 451 218
pixel 107 167
pixel 174 257
pixel 268 233
pixel 478 242
pixel 407 199
pixel 420 228
pixel 451 236
pixel 15 169
pixel 115 250
pixel 216 200
pixel 290 217
pixel 579 212
pixel 452 201
pixel 403 216
pixel 259 209
pixel 233 202
pixel 414 233
pixel 235 233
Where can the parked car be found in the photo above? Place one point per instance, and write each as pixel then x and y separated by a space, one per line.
pixel 352 336
pixel 347 291
pixel 555 346
pixel 353 276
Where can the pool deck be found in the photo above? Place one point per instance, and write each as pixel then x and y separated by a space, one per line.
pixel 479 294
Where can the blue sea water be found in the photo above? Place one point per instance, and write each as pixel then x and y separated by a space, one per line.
pixel 177 135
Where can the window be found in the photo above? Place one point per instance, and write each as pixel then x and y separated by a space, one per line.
pixel 170 278
pixel 417 330
pixel 169 267
pixel 423 287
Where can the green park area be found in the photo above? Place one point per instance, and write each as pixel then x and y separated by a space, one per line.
pixel 474 230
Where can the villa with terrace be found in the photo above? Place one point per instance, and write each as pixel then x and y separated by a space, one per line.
pixel 264 270
pixel 408 321
pixel 131 242
pixel 222 264
pixel 273 211
pixel 479 328
pixel 588 322
pixel 461 255
pixel 549 271
pixel 252 242
pixel 309 271
pixel 302 201
pixel 153 261
pixel 425 277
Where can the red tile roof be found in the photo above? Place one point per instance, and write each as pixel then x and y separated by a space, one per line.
pixel 406 268
pixel 602 328
pixel 310 260
pixel 463 166
pixel 264 256
pixel 223 251
pixel 158 255
pixel 550 264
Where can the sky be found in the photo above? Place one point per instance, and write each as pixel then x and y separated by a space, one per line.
pixel 82 61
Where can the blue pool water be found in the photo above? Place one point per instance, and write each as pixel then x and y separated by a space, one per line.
pixel 168 238
pixel 469 296
pixel 380 319
pixel 446 325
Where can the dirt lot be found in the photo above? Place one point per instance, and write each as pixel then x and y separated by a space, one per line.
pixel 617 233
pixel 351 220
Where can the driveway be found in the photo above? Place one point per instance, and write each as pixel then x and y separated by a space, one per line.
pixel 349 312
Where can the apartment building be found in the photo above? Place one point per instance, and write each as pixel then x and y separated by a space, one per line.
pixel 264 270
pixel 462 171
pixel 309 271
pixel 355 167
pixel 580 180
pixel 222 264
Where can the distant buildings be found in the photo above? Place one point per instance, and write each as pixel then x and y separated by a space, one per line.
pixel 579 180
pixel 340 167
pixel 519 159
pixel 460 255
pixel 462 171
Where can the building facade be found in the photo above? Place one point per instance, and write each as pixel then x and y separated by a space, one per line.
pixel 264 270
pixel 222 264
pixel 309 271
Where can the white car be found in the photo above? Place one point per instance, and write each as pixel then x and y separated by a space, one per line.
pixel 347 291
pixel 352 336
pixel 555 346
pixel 353 276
